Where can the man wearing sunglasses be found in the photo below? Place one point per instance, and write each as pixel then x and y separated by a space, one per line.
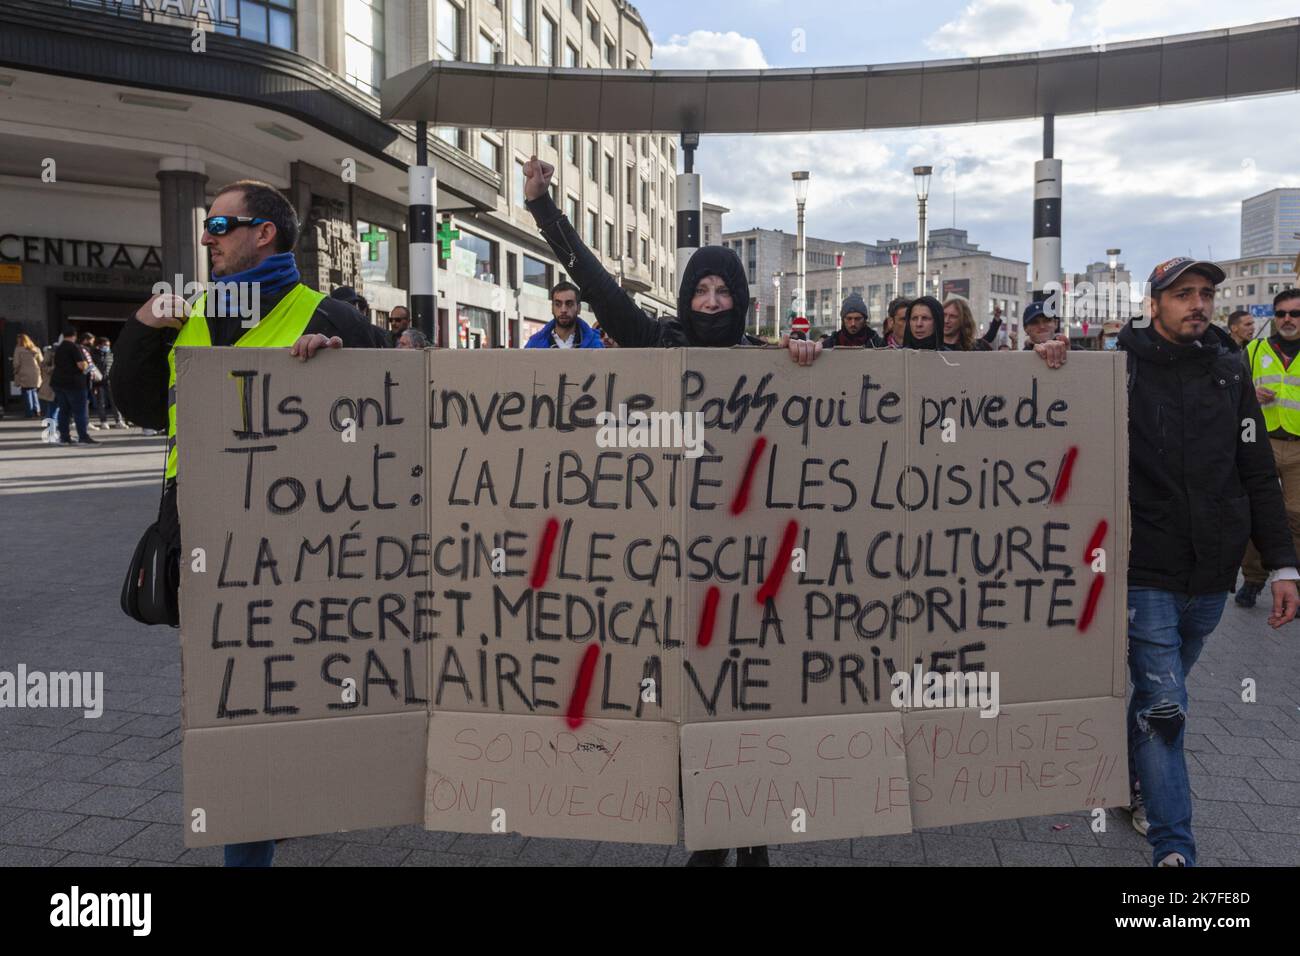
pixel 1277 386
pixel 249 233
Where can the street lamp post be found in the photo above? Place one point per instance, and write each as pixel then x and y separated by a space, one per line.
pixel 894 255
pixel 800 178
pixel 839 279
pixel 1113 255
pixel 776 308
pixel 922 174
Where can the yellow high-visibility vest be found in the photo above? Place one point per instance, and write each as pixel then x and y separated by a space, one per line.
pixel 1268 369
pixel 281 327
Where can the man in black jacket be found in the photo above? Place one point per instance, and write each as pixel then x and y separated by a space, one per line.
pixel 1200 486
pixel 257 225
pixel 854 328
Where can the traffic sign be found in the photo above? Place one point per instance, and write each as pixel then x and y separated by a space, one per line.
pixel 799 324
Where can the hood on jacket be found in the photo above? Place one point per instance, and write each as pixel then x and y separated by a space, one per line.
pixel 588 338
pixel 724 328
pixel 934 341
pixel 1150 346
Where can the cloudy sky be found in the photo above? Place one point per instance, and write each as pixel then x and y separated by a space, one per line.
pixel 1156 183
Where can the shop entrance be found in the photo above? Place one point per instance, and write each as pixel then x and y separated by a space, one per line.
pixel 102 315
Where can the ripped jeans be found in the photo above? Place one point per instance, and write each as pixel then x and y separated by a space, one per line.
pixel 1166 632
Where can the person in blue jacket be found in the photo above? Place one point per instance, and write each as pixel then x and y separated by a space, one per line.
pixel 566 330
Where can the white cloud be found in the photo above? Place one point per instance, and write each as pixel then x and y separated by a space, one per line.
pixel 708 50
pixel 1006 26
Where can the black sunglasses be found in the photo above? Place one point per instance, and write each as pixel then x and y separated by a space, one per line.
pixel 1283 313
pixel 220 225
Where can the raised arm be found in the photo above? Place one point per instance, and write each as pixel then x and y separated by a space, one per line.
pixel 614 309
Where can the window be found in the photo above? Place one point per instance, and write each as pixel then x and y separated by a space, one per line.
pixel 571 210
pixel 629 246
pixel 553 141
pixel 449 135
pixel 521 15
pixel 571 148
pixel 485 254
pixel 645 145
pixel 593 29
pixel 629 178
pixel 1254 268
pixel 645 196
pixel 519 183
pixel 575 7
pixel 363 42
pixel 546 44
pixel 489 154
pixel 593 159
pixel 609 174
pixel 609 53
pixel 537 273
pixel 261 21
pixel 652 268
pixel 611 247
pixel 1250 289
pixel 570 56
pixel 593 231
pixel 645 252
pixel 378 265
pixel 450 18
pixel 487 49
pixel 1272 268
pixel 631 65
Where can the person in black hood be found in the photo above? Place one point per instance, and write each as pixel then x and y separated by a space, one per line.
pixel 924 328
pixel 712 304
pixel 712 299
pixel 855 329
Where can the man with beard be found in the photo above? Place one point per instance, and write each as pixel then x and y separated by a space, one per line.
pixel 1278 391
pixel 399 320
pixel 250 233
pixel 1199 489
pixel 712 304
pixel 565 330
pixel 854 329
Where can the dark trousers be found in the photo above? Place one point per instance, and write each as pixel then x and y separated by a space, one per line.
pixel 71 403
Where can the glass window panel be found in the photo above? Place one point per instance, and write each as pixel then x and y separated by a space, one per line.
pixel 252 21
pixel 282 29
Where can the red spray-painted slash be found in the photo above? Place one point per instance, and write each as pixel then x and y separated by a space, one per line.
pixel 582 689
pixel 1098 581
pixel 741 501
pixel 542 561
pixel 782 564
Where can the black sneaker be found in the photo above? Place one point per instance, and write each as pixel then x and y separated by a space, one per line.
pixel 751 856
pixel 87 441
pixel 708 858
pixel 1246 596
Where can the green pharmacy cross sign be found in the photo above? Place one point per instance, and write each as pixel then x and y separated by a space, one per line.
pixel 372 238
pixel 446 235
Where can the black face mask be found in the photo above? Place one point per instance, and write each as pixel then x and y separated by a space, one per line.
pixel 714 329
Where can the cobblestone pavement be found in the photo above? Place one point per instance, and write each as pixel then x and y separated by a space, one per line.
pixel 106 792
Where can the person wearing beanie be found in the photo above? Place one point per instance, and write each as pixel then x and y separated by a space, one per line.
pixel 854 329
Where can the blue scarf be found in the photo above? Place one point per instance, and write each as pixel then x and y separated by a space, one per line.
pixel 274 275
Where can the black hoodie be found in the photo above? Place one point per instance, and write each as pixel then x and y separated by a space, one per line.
pixel 622 319
pixel 932 342
pixel 1197 491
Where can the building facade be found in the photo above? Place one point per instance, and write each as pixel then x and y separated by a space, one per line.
pixel 1252 282
pixel 106 171
pixel 1270 224
pixel 994 285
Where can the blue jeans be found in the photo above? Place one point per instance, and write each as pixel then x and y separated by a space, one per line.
pixel 1166 632
pixel 260 853
pixel 31 402
pixel 71 403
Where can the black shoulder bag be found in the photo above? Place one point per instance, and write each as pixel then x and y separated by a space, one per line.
pixel 151 591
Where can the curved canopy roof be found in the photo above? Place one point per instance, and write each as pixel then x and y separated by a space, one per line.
pixel 1193 67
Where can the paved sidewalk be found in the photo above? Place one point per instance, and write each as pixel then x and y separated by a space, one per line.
pixel 77 791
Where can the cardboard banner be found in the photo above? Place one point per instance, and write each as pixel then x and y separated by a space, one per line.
pixel 771 592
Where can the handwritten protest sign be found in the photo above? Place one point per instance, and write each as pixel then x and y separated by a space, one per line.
pixel 586 610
